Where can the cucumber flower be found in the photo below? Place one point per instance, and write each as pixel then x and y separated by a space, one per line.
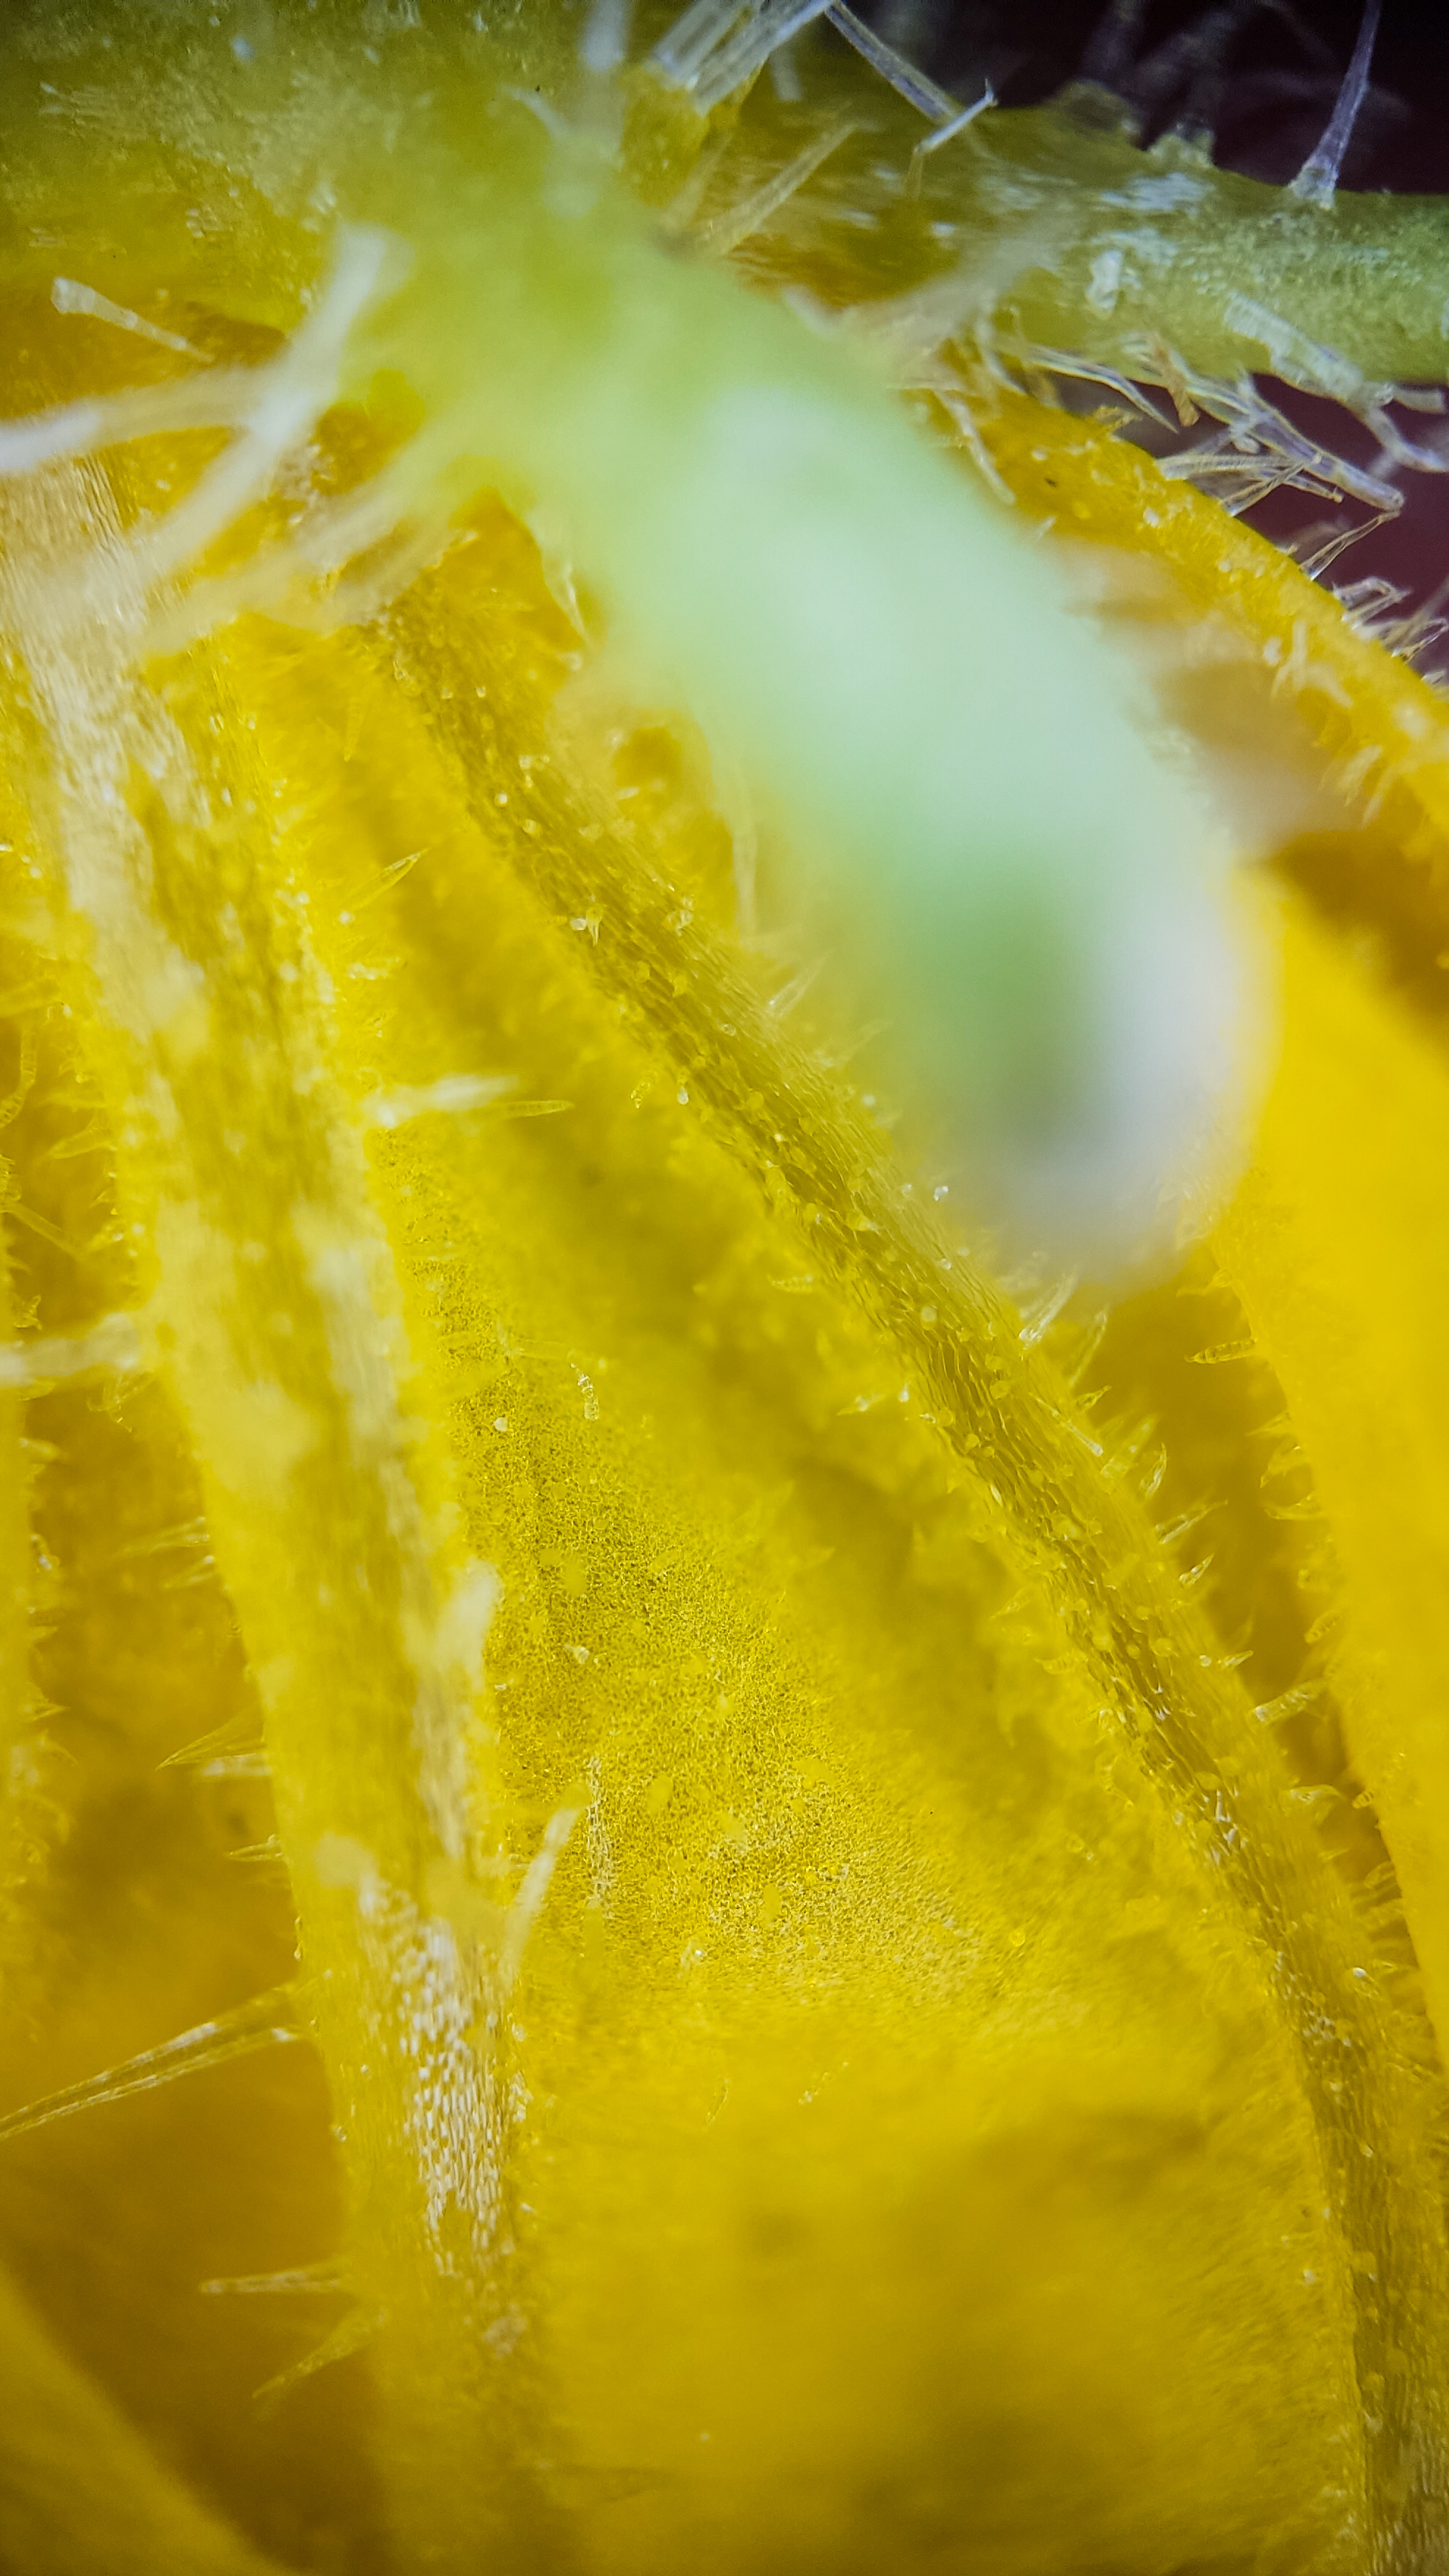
pixel 723 1418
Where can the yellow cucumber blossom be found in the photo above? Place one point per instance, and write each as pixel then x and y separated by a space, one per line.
pixel 708 1022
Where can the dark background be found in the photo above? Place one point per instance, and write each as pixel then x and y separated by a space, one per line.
pixel 1267 101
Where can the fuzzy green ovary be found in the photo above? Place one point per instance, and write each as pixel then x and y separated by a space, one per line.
pixel 782 553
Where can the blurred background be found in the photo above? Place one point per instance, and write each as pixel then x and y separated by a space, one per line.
pixel 1261 74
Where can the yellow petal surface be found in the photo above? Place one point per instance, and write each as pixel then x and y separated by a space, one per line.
pixel 758 1990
